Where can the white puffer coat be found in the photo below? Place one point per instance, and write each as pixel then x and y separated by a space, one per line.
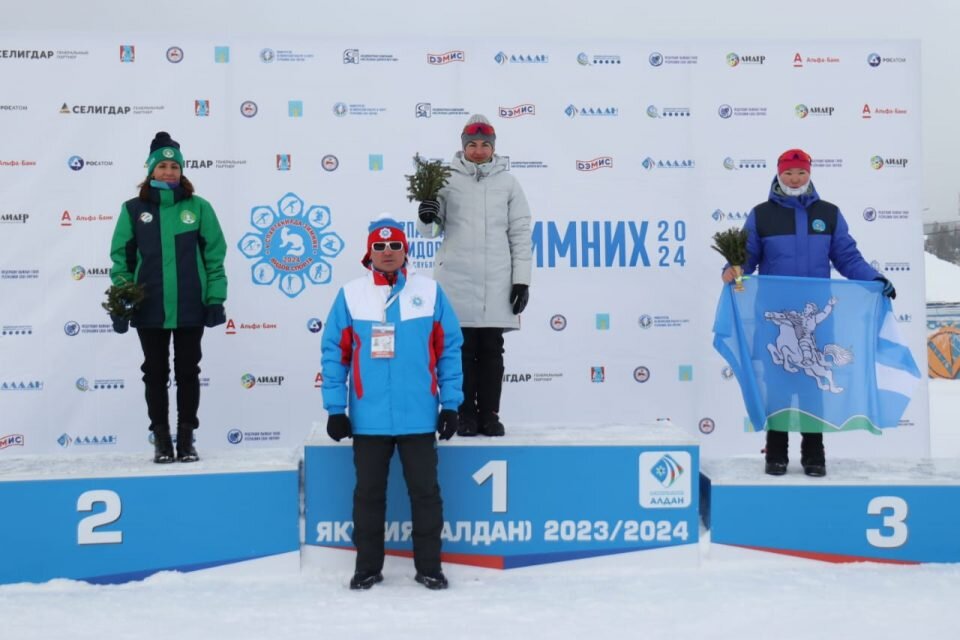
pixel 485 221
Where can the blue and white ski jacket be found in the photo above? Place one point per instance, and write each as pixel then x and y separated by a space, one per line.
pixel 801 236
pixel 398 395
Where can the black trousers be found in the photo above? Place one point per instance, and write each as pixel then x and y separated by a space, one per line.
pixel 156 374
pixel 482 371
pixel 371 459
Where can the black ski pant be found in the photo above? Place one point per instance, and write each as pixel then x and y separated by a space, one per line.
pixel 371 459
pixel 156 374
pixel 482 371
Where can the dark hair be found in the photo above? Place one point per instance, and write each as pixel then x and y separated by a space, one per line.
pixel 185 184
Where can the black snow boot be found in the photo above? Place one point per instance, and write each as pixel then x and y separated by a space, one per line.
pixel 776 453
pixel 185 449
pixel 812 456
pixel 365 579
pixel 490 425
pixel 162 444
pixel 468 422
pixel 432 581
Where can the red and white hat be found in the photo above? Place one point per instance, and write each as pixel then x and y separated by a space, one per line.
pixel 384 229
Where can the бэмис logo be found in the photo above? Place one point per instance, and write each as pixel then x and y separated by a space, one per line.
pixel 291 246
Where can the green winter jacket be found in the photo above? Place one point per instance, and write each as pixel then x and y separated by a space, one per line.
pixel 174 247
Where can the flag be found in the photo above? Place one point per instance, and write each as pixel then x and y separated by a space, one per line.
pixel 815 355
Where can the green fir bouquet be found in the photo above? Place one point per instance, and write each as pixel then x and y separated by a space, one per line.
pixel 124 299
pixel 427 180
pixel 732 245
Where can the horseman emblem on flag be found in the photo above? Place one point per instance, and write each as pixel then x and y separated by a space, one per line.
pixel 796 346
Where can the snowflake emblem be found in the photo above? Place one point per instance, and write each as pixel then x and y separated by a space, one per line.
pixel 291 245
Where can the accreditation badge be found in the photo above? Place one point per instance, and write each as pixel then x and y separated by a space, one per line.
pixel 383 341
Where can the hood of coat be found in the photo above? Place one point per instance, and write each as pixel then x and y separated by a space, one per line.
pixel 460 164
pixel 793 202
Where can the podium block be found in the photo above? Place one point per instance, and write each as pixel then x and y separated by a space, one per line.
pixel 536 496
pixel 893 511
pixel 116 518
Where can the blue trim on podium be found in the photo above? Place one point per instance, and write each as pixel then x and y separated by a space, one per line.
pixel 887 520
pixel 133 576
pixel 114 529
pixel 534 559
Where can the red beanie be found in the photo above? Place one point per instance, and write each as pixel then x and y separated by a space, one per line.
pixel 793 159
pixel 384 230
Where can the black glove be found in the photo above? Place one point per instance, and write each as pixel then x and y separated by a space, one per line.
pixel 429 211
pixel 338 426
pixel 214 315
pixel 120 324
pixel 447 424
pixel 519 296
pixel 888 288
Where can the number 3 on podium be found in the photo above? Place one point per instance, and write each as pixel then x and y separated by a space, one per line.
pixel 895 521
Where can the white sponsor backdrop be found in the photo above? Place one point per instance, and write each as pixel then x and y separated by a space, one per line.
pixel 684 137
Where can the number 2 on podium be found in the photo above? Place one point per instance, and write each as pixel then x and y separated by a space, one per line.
pixel 86 528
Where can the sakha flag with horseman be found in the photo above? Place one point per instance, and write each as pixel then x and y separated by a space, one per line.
pixel 815 355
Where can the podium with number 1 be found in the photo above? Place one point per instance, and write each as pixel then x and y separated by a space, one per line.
pixel 534 497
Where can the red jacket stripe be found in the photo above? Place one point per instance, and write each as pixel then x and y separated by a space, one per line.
pixel 436 350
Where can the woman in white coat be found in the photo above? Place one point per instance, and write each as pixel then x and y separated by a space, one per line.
pixel 483 265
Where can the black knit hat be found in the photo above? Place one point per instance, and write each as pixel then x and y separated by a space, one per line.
pixel 163 148
pixel 161 140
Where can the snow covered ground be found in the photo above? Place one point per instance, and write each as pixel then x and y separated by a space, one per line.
pixel 739 598
pixel 733 594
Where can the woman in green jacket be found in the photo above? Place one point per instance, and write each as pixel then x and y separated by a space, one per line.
pixel 169 241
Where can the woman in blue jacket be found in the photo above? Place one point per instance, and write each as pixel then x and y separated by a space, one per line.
pixel 795 233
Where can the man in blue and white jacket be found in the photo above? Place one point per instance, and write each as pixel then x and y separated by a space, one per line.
pixel 391 355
